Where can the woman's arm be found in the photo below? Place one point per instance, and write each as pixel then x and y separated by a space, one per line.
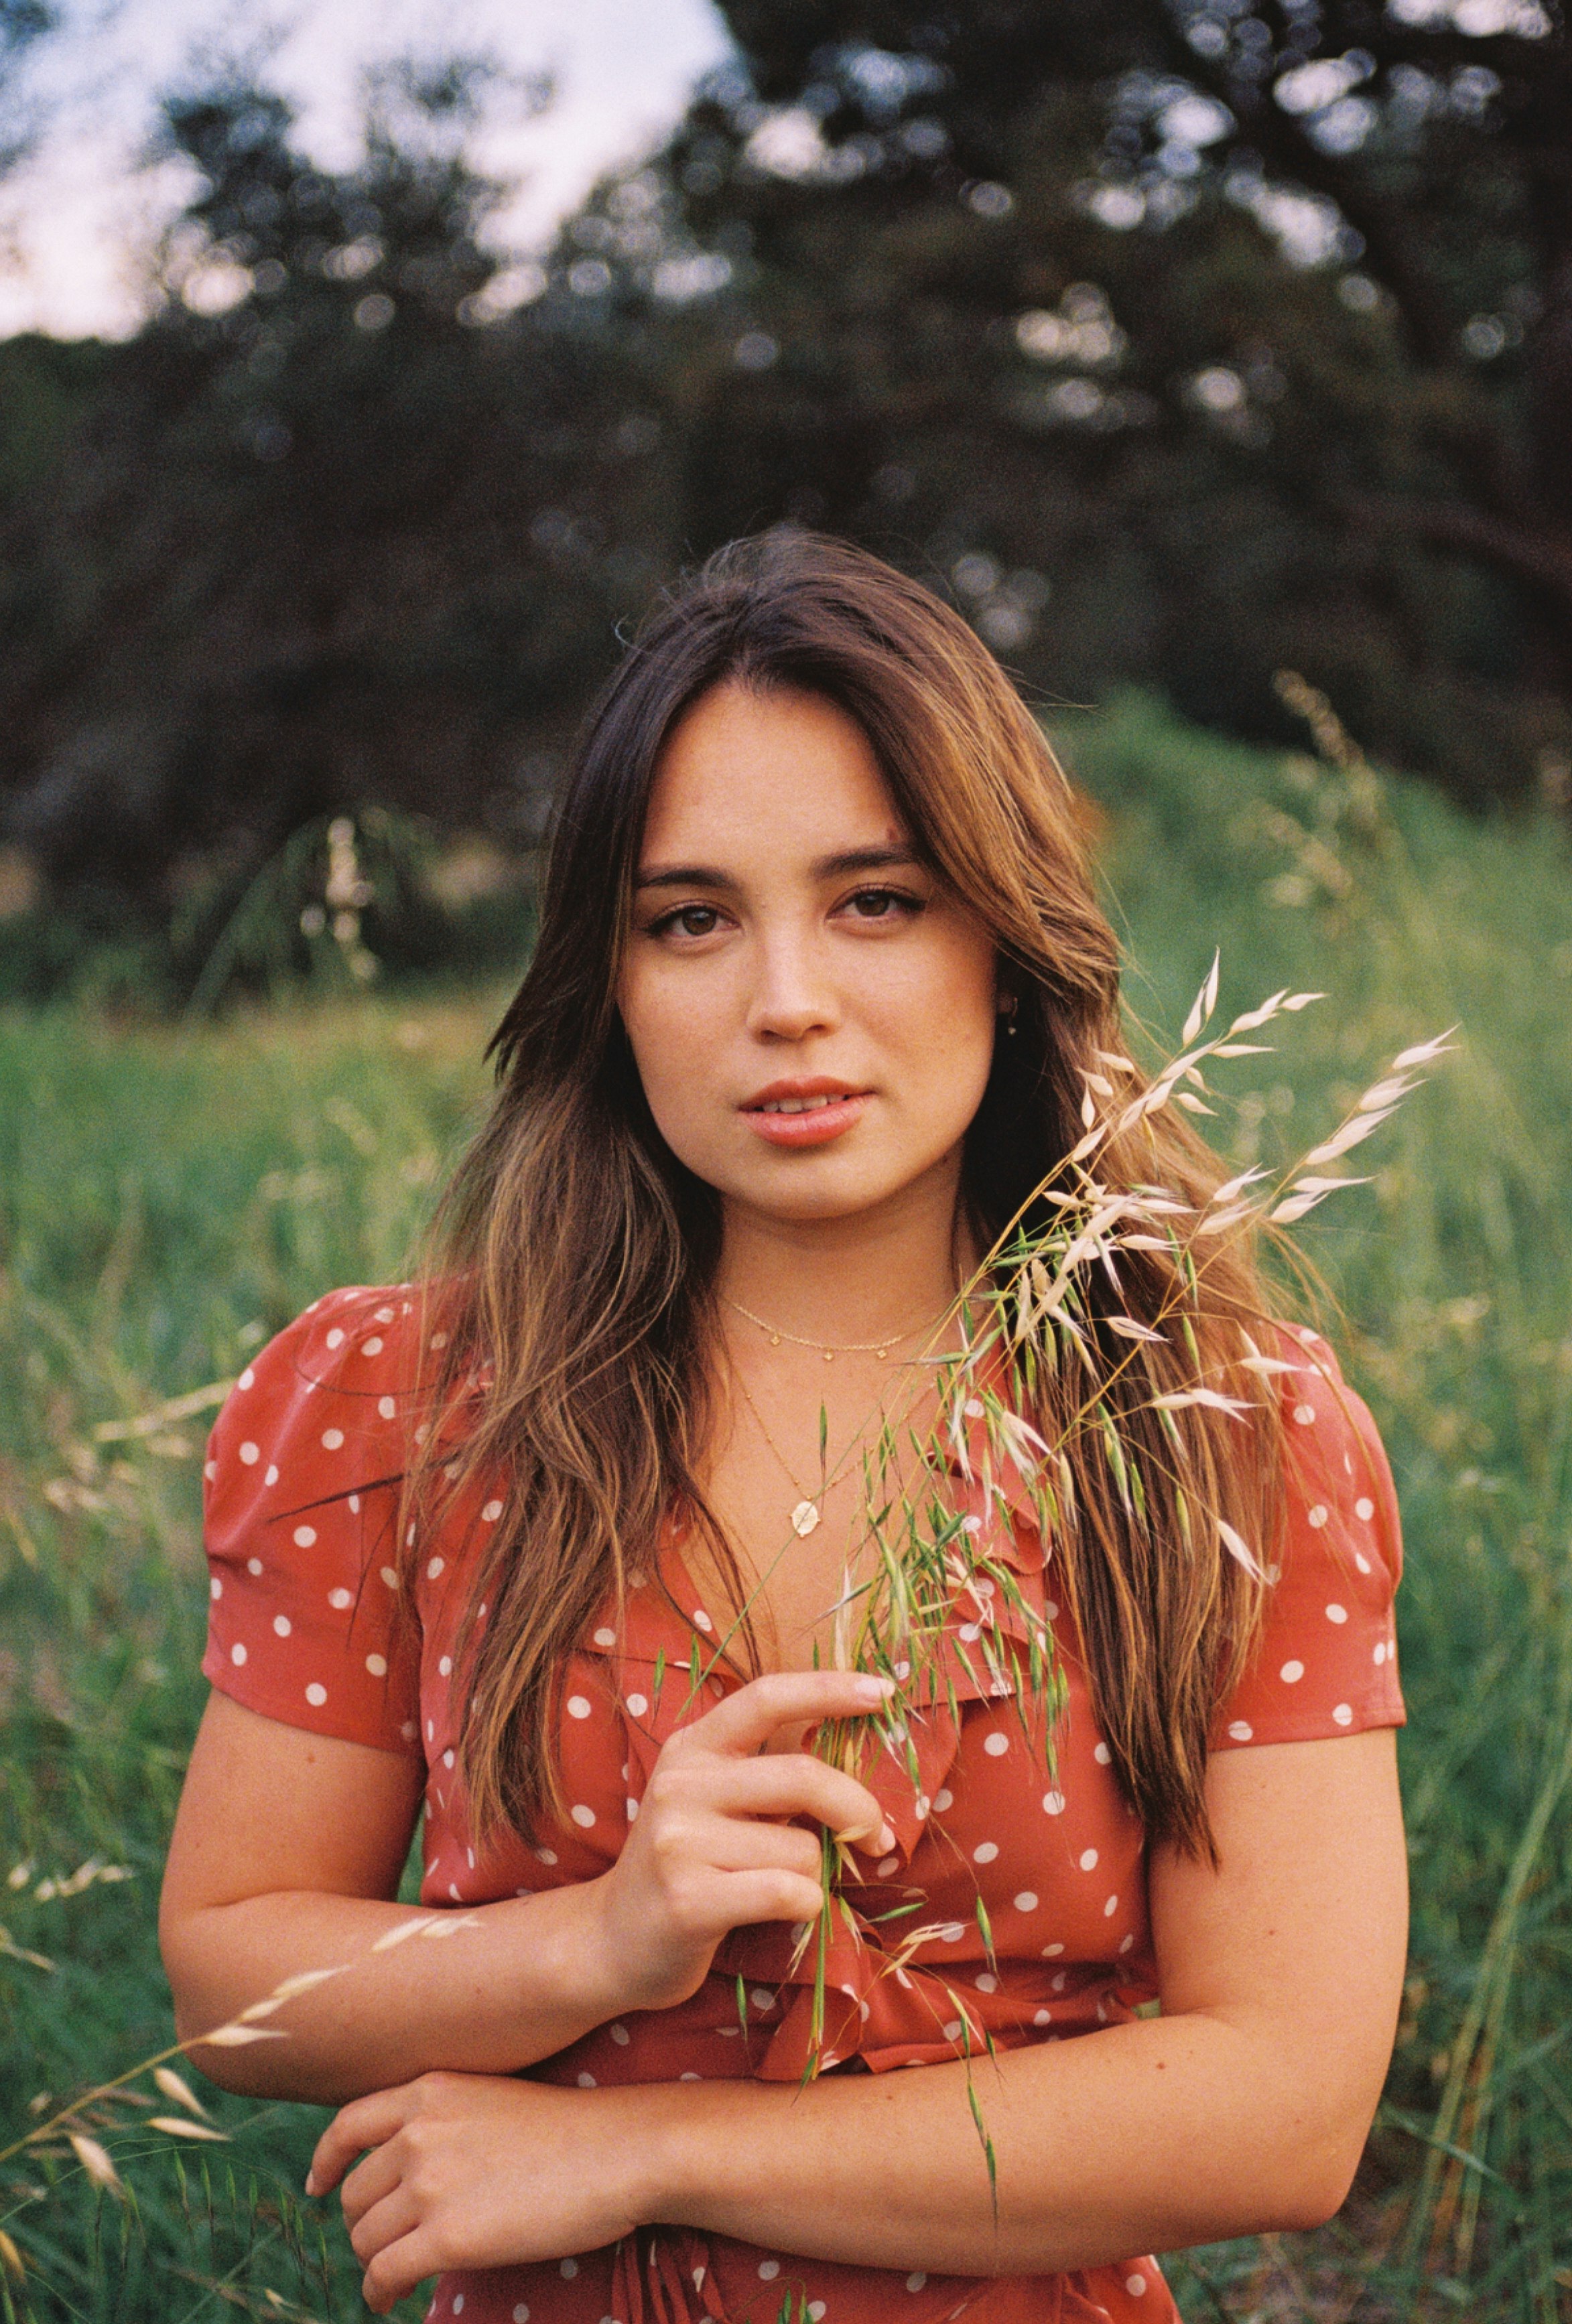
pixel 286 1857
pixel 1244 2107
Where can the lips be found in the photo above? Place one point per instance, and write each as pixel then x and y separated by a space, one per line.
pixel 807 1113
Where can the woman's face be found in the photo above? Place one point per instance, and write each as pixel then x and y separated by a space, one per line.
pixel 812 1014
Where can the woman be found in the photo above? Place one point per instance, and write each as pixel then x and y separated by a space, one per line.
pixel 565 1547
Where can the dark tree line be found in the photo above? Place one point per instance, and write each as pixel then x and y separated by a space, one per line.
pixel 1180 339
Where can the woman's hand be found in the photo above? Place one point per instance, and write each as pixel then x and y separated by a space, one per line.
pixel 473 2171
pixel 711 1850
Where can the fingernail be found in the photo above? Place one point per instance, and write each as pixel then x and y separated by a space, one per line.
pixel 874 1690
pixel 310 2182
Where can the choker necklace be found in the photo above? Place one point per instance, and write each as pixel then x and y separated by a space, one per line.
pixel 828 1349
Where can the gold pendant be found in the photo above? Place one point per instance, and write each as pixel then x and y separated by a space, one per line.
pixel 804 1517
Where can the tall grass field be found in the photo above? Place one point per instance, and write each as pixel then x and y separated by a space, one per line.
pixel 171 1196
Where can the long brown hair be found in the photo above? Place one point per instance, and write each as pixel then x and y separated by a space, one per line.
pixel 574 1255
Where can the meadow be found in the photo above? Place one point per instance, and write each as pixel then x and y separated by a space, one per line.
pixel 171 1195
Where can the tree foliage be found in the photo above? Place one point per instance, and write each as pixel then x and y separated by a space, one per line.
pixel 1182 339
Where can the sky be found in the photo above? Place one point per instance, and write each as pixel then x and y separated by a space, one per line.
pixel 74 217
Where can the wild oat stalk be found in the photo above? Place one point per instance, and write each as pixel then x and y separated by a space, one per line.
pixel 1024 1317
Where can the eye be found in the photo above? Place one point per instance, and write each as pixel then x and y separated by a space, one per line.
pixel 882 904
pixel 687 920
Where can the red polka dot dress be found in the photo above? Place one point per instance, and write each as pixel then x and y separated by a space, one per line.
pixel 303 1475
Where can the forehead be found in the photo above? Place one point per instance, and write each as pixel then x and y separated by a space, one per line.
pixel 743 769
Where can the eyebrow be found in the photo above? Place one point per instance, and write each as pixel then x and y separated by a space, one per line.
pixel 825 867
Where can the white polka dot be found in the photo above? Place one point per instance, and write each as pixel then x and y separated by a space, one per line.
pixel 1103 1755
pixel 215 1587
pixel 1043 2017
pixel 762 1997
pixel 458 2303
pixel 971 1632
pixel 1136 2284
pixel 317 1693
pixel 605 1638
pixel 1318 1515
pixel 915 2282
pixel 247 1379
pixel 702 1619
pixel 769 2269
pixel 582 1816
pixel 436 1566
pixel 372 1347
pixel 254 1565
pixel 331 1439
pixel 1292 1674
pixel 1363 1562
pixel 1336 1613
pixel 1051 1952
pixel 209 1469
pixel 250 1454
pixel 386 1406
pixel 942 1800
pixel 1125 1942
pixel 282 1625
pixel 996 1745
pixel 1378 1653
pixel 445 1667
pixel 491 1512
pixel 986 1853
pixel 1110 1908
pixel 1088 1859
pixel 620 2035
pixel 816 2310
pixel 377 1665
pixel 340 1599
pixel 578 1706
pixel 305 1536
pixel 521 2314
pixel 1343 1713
pixel 586 2081
pixel 547 1855
pixel 886 1866
pixel 354 1505
pixel 952 2031
pixel 448 1762
pixel 237 1655
pixel 1053 1802
pixel 570 2268
pixel 335 1337
pixel 987 1982
pixel 637 1705
pixel 1027 1901
pixel 272 1478
pixel 1304 1414
pixel 698 2077
pixel 1364 1508
pixel 390 1577
pixel 1240 1730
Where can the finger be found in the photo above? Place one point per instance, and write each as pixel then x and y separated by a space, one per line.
pixel 798 1785
pixel 363 2122
pixel 374 2176
pixel 747 1720
pixel 398 2268
pixel 733 1845
pixel 396 2216
pixel 745 1898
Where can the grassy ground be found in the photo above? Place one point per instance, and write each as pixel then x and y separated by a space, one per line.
pixel 169 1198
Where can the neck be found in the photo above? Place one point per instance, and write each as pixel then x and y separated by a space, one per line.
pixel 887 1269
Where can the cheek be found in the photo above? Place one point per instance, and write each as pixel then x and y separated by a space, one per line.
pixel 942 1015
pixel 668 1035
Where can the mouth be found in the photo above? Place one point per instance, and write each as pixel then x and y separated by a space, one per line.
pixel 804 1112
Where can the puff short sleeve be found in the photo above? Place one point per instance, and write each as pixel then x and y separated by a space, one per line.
pixel 302 1495
pixel 1326 1663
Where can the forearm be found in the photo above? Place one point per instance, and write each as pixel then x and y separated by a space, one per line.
pixel 1149 2136
pixel 487 1991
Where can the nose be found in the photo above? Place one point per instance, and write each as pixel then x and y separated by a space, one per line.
pixel 793 994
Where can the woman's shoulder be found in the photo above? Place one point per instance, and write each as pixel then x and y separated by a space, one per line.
pixel 326 1408
pixel 1327 1660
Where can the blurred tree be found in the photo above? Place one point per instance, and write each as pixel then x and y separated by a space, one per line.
pixel 346 521
pixel 21 24
pixel 1187 337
